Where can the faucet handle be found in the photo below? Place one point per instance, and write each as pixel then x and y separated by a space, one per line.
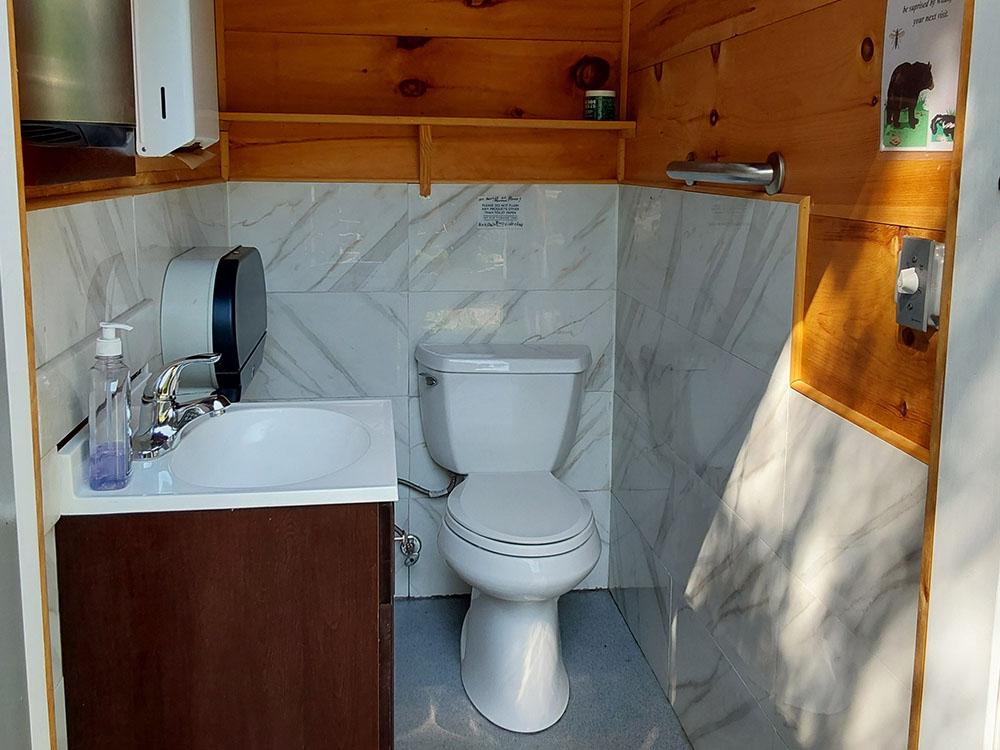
pixel 164 386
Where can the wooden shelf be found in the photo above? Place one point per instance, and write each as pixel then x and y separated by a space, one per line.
pixel 424 125
pixel 626 128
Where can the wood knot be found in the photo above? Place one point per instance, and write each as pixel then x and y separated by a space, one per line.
pixel 412 87
pixel 874 101
pixel 590 72
pixel 867 49
pixel 903 409
pixel 692 156
pixel 411 42
pixel 516 112
pixel 716 51
pixel 481 3
pixel 713 117
pixel 658 71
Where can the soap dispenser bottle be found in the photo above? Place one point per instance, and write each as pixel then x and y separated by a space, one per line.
pixel 110 412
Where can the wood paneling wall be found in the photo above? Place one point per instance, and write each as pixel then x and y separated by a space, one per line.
pixel 528 59
pixel 734 81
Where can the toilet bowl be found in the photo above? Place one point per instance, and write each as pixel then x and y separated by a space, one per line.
pixel 532 539
pixel 506 416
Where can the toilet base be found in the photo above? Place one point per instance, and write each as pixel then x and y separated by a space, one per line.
pixel 512 666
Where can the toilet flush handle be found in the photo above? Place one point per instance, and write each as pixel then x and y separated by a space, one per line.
pixel 429 380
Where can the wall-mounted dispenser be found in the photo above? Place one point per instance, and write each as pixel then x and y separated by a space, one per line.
pixel 214 300
pixel 919 272
pixel 176 91
pixel 74 72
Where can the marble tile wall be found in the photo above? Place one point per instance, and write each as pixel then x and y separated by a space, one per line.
pixel 358 275
pixel 764 552
pixel 104 260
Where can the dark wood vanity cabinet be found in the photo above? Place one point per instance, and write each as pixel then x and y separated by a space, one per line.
pixel 264 628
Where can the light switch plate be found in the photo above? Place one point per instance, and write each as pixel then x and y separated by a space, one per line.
pixel 921 309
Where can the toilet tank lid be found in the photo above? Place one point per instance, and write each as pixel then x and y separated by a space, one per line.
pixel 505 358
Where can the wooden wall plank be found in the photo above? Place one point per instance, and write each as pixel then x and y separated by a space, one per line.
pixel 478 155
pixel 319 73
pixel 317 152
pixel 852 349
pixel 595 20
pixel 799 86
pixel 264 151
pixel 662 29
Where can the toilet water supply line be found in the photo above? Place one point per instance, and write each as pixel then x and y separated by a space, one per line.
pixel 409 544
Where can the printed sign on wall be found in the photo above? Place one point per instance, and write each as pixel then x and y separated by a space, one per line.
pixel 922 51
pixel 500 212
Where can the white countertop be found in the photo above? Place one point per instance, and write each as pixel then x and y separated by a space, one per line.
pixel 154 487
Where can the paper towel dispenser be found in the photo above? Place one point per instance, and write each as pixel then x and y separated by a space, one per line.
pixel 214 300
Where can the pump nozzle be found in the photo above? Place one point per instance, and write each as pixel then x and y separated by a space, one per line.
pixel 108 344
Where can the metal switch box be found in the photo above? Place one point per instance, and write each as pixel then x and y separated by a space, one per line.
pixel 918 283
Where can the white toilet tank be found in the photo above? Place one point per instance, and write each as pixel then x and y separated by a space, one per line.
pixel 499 408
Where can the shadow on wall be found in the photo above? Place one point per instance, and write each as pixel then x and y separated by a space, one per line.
pixel 764 552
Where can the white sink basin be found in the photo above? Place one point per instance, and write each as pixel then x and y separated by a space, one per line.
pixel 253 455
pixel 271 447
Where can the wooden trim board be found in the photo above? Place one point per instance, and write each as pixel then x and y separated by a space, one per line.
pixel 930 506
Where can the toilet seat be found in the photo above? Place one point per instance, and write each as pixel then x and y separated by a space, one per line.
pixel 530 514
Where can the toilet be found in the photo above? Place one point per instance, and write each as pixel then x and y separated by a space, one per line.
pixel 506 416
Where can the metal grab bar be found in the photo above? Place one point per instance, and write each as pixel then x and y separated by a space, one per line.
pixel 770 174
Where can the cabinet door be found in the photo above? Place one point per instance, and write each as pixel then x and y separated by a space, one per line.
pixel 226 629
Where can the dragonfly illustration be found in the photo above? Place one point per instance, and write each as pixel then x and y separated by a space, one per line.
pixel 896 35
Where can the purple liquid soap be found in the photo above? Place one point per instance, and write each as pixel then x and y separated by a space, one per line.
pixel 109 466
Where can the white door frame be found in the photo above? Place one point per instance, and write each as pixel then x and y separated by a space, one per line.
pixel 962 668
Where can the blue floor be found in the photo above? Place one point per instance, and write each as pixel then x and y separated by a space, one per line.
pixel 615 702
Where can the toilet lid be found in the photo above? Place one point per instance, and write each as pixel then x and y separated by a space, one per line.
pixel 519 508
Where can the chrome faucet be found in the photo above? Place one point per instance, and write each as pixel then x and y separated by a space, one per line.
pixel 162 416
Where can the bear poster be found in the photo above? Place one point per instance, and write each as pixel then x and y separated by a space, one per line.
pixel 922 50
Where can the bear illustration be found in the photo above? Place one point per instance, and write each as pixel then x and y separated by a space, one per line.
pixel 905 85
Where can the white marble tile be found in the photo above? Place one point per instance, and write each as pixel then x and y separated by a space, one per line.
pixel 83 271
pixel 431 576
pixel 600 503
pixel 64 381
pixel 580 317
pixel 588 465
pixel 755 488
pixel 672 508
pixel 637 337
pixel 571 237
pixel 625 571
pixel 736 586
pixel 324 237
pixel 169 223
pixel 448 251
pixel 733 274
pixel 333 345
pixel 853 526
pixel 714 706
pixel 700 399
pixel 423 470
pixel 830 689
pixel 565 241
pixel 722 267
pixel 649 225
